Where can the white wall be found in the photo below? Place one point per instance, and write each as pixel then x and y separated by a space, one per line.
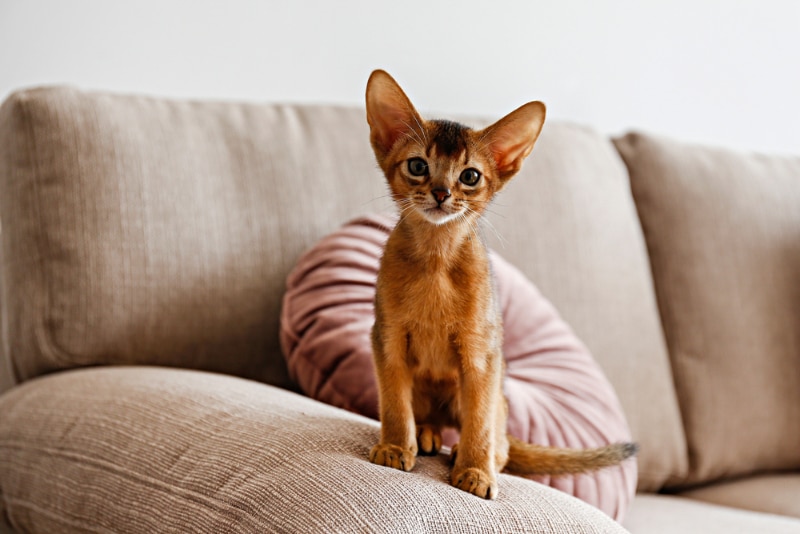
pixel 725 72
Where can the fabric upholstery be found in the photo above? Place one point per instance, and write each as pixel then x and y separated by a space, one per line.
pixel 134 449
pixel 723 233
pixel 143 230
pixel 661 514
pixel 556 393
pixel 773 494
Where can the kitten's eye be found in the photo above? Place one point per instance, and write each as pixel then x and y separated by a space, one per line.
pixel 417 167
pixel 470 177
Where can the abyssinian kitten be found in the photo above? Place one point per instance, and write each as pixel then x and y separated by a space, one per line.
pixel 438 334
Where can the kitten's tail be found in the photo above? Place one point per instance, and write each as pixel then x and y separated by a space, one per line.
pixel 530 459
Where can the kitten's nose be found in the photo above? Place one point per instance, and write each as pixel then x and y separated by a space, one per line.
pixel 440 195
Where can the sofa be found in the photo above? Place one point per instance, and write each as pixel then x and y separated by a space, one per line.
pixel 145 250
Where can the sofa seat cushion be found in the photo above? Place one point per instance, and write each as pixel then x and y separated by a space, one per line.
pixel 774 493
pixel 556 393
pixel 134 449
pixel 662 514
pixel 723 234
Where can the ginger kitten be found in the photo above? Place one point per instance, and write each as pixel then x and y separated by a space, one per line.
pixel 438 335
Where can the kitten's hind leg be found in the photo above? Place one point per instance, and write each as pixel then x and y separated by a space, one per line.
pixel 429 440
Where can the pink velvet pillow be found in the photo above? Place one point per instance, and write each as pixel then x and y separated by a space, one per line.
pixel 557 394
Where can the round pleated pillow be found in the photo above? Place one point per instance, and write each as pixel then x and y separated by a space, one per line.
pixel 557 394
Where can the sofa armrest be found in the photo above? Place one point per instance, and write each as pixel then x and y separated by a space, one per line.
pixel 143 449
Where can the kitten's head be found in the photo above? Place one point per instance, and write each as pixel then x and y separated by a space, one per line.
pixel 442 171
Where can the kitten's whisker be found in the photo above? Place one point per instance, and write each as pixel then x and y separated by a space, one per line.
pixel 406 206
pixel 375 199
pixel 416 134
pixel 487 209
pixel 500 238
pixel 463 219
pixel 415 140
pixel 421 129
pixel 481 145
pixel 495 213
pixel 471 223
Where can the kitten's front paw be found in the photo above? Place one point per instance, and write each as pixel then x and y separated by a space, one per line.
pixel 392 456
pixel 475 481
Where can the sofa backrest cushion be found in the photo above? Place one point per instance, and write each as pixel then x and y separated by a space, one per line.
pixel 141 230
pixel 723 233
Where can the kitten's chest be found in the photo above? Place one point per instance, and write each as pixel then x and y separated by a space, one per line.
pixel 422 295
pixel 429 315
pixel 435 307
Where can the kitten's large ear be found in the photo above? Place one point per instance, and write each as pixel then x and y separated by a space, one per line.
pixel 389 113
pixel 511 138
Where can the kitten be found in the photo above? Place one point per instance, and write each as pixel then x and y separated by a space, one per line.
pixel 437 338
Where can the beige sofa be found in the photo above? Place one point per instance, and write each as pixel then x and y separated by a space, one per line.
pixel 145 247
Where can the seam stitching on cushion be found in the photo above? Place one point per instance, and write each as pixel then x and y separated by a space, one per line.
pixel 46 338
pixel 4 309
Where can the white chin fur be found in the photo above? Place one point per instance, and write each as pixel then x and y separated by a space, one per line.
pixel 438 217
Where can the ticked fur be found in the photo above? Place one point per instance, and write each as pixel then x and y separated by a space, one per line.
pixel 437 338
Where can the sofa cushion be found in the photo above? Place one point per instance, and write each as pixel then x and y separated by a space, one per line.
pixel 662 514
pixel 134 449
pixel 556 393
pixel 143 230
pixel 723 233
pixel 773 494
